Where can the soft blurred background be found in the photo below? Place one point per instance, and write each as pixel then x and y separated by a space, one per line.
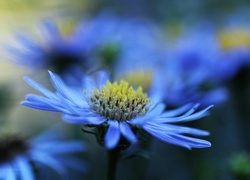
pixel 202 48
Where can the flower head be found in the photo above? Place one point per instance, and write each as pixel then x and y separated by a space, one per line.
pixel 118 111
pixel 53 50
pixel 193 70
pixel 116 40
pixel 19 157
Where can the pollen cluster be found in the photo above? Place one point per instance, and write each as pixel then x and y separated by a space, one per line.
pixel 119 101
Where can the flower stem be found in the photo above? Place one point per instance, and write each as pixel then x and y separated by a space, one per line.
pixel 113 157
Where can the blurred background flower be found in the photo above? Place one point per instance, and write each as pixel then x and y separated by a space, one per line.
pixel 26 159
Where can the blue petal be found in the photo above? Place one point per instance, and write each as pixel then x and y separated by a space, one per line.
pixel 185 117
pixel 174 138
pixel 7 172
pixel 178 111
pixel 74 163
pixel 169 128
pixel 83 120
pixel 40 102
pixel 27 42
pixel 127 132
pixel 73 107
pixel 40 88
pixel 61 147
pixel 50 30
pixel 102 78
pixel 112 136
pixel 193 142
pixel 26 171
pixel 51 162
pixel 61 87
pixel 155 111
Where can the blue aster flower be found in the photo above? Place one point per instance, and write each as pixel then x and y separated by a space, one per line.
pixel 193 72
pixel 114 40
pixel 52 50
pixel 118 111
pixel 22 159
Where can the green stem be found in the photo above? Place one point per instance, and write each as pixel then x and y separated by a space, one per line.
pixel 113 157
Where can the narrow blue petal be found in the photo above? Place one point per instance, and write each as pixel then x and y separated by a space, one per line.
pixel 7 172
pixel 178 111
pixel 112 136
pixel 49 161
pixel 102 78
pixel 169 128
pixel 73 107
pixel 27 42
pixel 61 86
pixel 74 163
pixel 50 30
pixel 83 120
pixel 40 88
pixel 165 137
pixel 127 132
pixel 155 111
pixel 25 169
pixel 61 147
pixel 88 83
pixel 38 106
pixel 185 117
pixel 175 138
pixel 193 109
pixel 193 142
pixel 40 102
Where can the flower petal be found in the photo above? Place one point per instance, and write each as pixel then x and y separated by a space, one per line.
pixel 40 102
pixel 178 111
pixel 26 171
pixel 155 111
pixel 127 132
pixel 61 87
pixel 40 88
pixel 62 147
pixel 7 172
pixel 51 162
pixel 175 138
pixel 185 117
pixel 113 134
pixel 83 120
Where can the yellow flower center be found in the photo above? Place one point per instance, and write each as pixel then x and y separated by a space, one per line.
pixel 119 101
pixel 237 38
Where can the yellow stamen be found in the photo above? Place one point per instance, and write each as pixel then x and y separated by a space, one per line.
pixel 119 101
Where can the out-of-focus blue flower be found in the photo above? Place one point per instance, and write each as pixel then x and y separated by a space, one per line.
pixel 192 71
pixel 22 159
pixel 118 111
pixel 120 40
pixel 52 50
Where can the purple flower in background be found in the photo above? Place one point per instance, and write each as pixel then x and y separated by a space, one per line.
pixel 118 111
pixel 20 157
pixel 116 40
pixel 53 50
pixel 192 71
